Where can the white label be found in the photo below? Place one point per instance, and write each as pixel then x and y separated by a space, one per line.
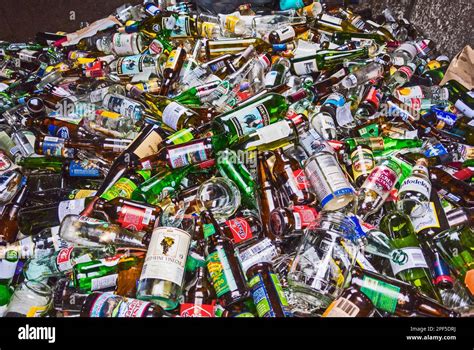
pixel 166 256
pixel 270 78
pixel 416 184
pixel 74 206
pixel 286 33
pixel 172 113
pixel 123 44
pixel 7 269
pixel 343 308
pixel 98 95
pixel 344 115
pixel 263 251
pixel 429 220
pixel 331 20
pixel 298 221
pixel 464 108
pixel 306 66
pixel 104 282
pixel 407 258
pixel 271 133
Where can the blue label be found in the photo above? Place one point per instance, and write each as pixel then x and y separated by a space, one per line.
pixel 279 47
pixel 54 147
pixel 336 100
pixel 436 150
pixel 291 4
pixel 62 132
pixel 82 169
pixel 447 117
pixel 341 192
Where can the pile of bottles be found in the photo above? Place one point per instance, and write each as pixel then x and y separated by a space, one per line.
pixel 305 161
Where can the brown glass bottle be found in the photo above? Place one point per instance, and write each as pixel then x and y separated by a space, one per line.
pixel 59 128
pixel 454 190
pixel 9 215
pixel 134 216
pixel 268 194
pixel 224 268
pixel 172 68
pixel 286 221
pixel 242 229
pixel 396 297
pixel 351 303
pixel 290 178
pixel 199 298
pixel 129 275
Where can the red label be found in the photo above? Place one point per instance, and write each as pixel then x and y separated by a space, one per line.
pixel 407 70
pixel 306 214
pixel 383 177
pixel 193 310
pixel 131 218
pixel 64 255
pixel 240 229
pixel 301 179
pixel 373 97
pixel 416 104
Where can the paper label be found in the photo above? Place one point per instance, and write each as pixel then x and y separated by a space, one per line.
pixel 195 310
pixel 172 113
pixel 429 220
pixel 407 258
pixel 104 282
pixel 342 307
pixel 240 229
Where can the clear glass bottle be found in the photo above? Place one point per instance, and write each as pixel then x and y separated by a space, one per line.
pixel 322 265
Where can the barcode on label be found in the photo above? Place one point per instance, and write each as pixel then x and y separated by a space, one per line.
pixel 347 307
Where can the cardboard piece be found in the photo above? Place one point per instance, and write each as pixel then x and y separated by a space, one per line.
pixel 462 68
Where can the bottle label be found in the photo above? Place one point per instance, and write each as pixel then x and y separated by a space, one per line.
pixel 230 23
pixel 262 300
pixel 181 27
pixel 429 220
pixel 408 71
pixel 407 258
pixel 249 119
pixel 61 132
pixel 436 150
pixel 409 92
pixel 79 194
pixel 149 146
pixel 111 305
pixel 383 295
pixel 5 162
pixel 63 260
pixel 220 272
pixel 240 229
pixel 125 44
pixel 166 256
pixel 342 307
pixel 301 180
pixel 286 34
pixel 271 77
pixel 263 251
pixel 331 21
pixel 327 179
pixel 196 310
pixel 83 169
pixel 417 185
pixel 181 136
pixel 54 147
pixel 132 65
pixel 304 66
pixel 381 180
pixel 362 162
pixel 134 218
pixel 172 113
pixel 122 188
pixel 69 207
pixel 304 216
pixel 208 28
pixel 104 282
pixel 187 154
pixel 172 61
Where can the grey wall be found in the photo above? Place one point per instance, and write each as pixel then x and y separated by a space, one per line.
pixel 448 22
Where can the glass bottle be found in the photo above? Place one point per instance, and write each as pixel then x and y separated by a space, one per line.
pixel 351 303
pixel 363 162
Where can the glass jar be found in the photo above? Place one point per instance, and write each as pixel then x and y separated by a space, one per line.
pixel 322 265
pixel 30 299
pixel 221 196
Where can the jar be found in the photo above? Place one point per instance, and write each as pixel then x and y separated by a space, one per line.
pixel 322 265
pixel 30 299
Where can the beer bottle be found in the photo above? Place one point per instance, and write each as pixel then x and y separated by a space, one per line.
pixel 380 144
pixel 351 303
pixel 224 268
pixel 59 128
pixel 128 275
pixel 126 185
pixel 107 304
pixel 243 229
pixel 460 217
pixel 267 292
pixel 396 297
pixel 408 262
pixel 456 191
pixel 363 163
pixel 171 69
pixel 199 298
pixel 285 221
pixel 290 178
pixel 133 216
pixel 9 215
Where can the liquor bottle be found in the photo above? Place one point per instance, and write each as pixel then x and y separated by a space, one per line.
pixel 9 215
pixel 61 262
pixel 199 298
pixel 162 276
pixel 383 144
pixel 453 245
pixel 224 268
pixel 129 275
pixel 290 178
pixel 269 197
pixel 245 119
pixel 230 166
pixel 171 69
pixel 376 188
pixel 456 191
pixel 86 232
pixel 399 78
pixel 415 191
pixel 408 262
pixel 287 33
pixel 333 190
pixel 125 186
pixel 107 304
pixel 267 292
pixel 96 274
pixel 133 216
pixel 396 297
pixel 285 222
pixel 351 303
pixel 325 59
pixel 362 75
pixel 363 162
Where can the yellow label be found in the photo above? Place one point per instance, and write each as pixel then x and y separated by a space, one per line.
pixel 304 35
pixel 433 65
pixel 392 70
pixel 85 60
pixel 109 114
pixel 49 69
pixel 36 311
pixel 207 29
pixel 84 194
pixel 230 22
pixel 171 60
pixel 404 91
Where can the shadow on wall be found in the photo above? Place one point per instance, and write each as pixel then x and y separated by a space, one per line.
pixel 448 22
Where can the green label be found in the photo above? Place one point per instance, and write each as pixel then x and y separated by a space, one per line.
pixel 371 130
pixel 181 137
pixel 208 230
pixel 260 297
pixel 383 295
pixel 279 289
pixel 122 188
pixel 216 271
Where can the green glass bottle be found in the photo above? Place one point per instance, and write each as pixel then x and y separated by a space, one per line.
pixel 249 117
pixel 126 185
pixel 7 268
pixel 456 248
pixel 192 96
pixel 230 166
pixel 340 38
pixel 383 144
pixel 408 261
pixel 52 164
